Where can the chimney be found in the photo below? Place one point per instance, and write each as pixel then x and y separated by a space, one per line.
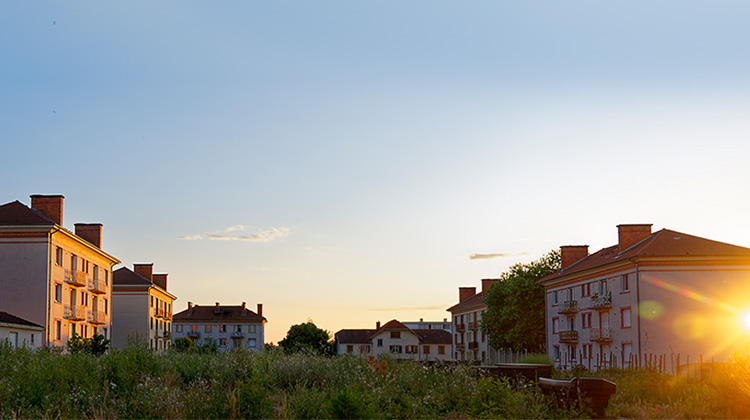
pixel 160 280
pixel 465 293
pixel 571 254
pixel 260 309
pixel 146 270
pixel 190 305
pixel 91 232
pixel 487 283
pixel 49 205
pixel 377 325
pixel 217 308
pixel 629 235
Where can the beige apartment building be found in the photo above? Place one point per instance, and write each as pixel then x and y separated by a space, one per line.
pixel 51 276
pixel 469 342
pixel 229 326
pixel 142 307
pixel 652 296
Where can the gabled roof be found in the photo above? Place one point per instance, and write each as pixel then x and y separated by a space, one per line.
pixel 126 276
pixel 18 214
pixel 392 325
pixel 433 336
pixel 474 301
pixel 663 243
pixel 6 318
pixel 225 313
pixel 354 336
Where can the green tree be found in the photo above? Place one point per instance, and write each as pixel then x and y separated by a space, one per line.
pixel 96 345
pixel 307 336
pixel 515 305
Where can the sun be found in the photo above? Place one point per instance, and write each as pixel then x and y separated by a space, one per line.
pixel 745 320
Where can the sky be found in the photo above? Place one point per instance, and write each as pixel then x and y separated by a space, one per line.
pixel 352 162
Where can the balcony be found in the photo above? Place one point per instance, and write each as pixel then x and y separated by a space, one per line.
pixel 473 325
pixel 74 312
pixel 237 334
pixel 601 302
pixel 159 312
pixel 473 345
pixel 569 336
pixel 569 307
pixel 167 334
pixel 600 334
pixel 76 277
pixel 97 317
pixel 97 286
pixel 167 315
pixel 460 346
pixel 194 334
pixel 460 327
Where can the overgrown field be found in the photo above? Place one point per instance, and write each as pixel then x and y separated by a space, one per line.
pixel 137 383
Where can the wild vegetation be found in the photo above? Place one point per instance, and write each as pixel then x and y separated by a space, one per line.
pixel 138 383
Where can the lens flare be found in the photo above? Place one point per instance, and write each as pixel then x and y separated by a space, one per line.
pixel 745 320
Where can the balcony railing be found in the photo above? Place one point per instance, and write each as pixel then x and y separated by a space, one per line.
pixel 600 334
pixel 74 312
pixel 460 346
pixel 167 334
pixel 97 317
pixel 75 277
pixel 569 336
pixel 473 345
pixel 601 302
pixel 569 307
pixel 159 312
pixel 473 325
pixel 97 286
pixel 460 327
pixel 167 315
pixel 193 334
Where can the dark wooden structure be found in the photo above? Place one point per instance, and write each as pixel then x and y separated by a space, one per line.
pixel 592 392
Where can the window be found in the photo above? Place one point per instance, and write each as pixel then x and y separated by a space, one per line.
pixel 104 332
pixel 441 349
pixel 624 286
pixel 179 328
pixel 555 325
pixel 556 352
pixel 411 349
pixel 73 262
pixel 208 328
pixel 194 328
pixel 238 328
pixel 223 342
pixel 251 342
pixel 106 306
pixel 603 287
pixel 58 292
pixel 554 298
pixel 59 256
pixel 627 353
pixel 396 349
pixel 585 289
pixel 251 328
pixel 152 323
pixel 222 328
pixel 106 277
pixel 13 339
pixel 32 339
pixel 625 317
pixel 395 334
pixel 152 301
pixel 426 349
pixel 96 272
pixel 588 350
pixel 586 320
pixel 349 348
pixel 380 342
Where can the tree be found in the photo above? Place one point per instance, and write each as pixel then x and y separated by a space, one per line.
pixel 96 345
pixel 307 336
pixel 515 305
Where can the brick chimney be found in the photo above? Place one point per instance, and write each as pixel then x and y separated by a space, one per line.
pixel 377 325
pixel 49 205
pixel 571 254
pixel 629 235
pixel 91 232
pixel 160 280
pixel 190 305
pixel 487 283
pixel 217 308
pixel 465 293
pixel 260 309
pixel 146 270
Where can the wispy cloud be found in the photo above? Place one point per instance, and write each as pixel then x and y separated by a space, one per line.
pixel 241 233
pixel 409 308
pixel 495 255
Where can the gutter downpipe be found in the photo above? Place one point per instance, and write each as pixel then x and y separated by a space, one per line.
pixel 49 284
pixel 638 305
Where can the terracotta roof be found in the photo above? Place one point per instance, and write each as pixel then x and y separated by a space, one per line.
pixel 12 319
pixel 124 275
pixel 476 300
pixel 434 336
pixel 18 214
pixel 354 336
pixel 225 313
pixel 663 243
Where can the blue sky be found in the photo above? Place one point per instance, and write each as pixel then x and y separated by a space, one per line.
pixel 363 151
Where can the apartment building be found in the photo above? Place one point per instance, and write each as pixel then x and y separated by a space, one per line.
pixel 430 325
pixel 469 342
pixel 230 327
pixel 142 307
pixel 51 276
pixel 18 332
pixel 398 340
pixel 660 294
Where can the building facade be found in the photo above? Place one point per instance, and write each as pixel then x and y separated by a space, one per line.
pixel 398 340
pixel 18 332
pixel 663 295
pixel 51 276
pixel 142 307
pixel 469 342
pixel 229 327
